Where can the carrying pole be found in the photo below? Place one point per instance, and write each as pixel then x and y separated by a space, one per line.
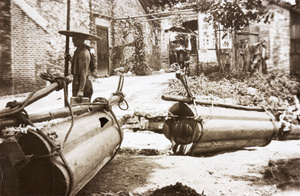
pixel 67 50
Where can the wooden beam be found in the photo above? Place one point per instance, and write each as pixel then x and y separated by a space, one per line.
pixel 155 14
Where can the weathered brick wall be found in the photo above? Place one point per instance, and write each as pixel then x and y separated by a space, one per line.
pixel 152 47
pixel 103 7
pixel 29 46
pixel 278 39
pixel 164 50
pixel 55 12
pixel 6 80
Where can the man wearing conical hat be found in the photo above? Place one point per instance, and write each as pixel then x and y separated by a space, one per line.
pixel 82 64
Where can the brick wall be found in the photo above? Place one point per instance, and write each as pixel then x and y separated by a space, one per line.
pixel 6 80
pixel 278 38
pixel 55 13
pixel 29 46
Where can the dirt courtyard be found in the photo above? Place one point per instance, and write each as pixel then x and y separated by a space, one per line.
pixel 140 168
pixel 145 162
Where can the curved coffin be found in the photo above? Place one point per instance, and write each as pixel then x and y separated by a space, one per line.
pixel 92 142
pixel 216 129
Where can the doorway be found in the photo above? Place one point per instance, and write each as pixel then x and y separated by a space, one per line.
pixel 102 52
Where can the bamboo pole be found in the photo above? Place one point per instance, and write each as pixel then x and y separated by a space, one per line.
pixel 61 112
pixel 198 44
pixel 209 103
pixel 155 14
pixel 36 96
pixel 168 17
pixel 67 50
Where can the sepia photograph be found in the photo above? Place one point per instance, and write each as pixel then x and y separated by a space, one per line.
pixel 149 97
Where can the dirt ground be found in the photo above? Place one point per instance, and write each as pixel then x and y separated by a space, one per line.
pixel 145 164
pixel 141 169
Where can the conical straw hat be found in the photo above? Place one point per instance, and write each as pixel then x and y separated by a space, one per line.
pixel 79 34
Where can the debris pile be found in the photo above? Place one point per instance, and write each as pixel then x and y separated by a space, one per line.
pixel 177 189
pixel 144 121
pixel 291 113
pixel 283 173
pixel 275 89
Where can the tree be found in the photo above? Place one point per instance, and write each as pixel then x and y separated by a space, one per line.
pixel 230 14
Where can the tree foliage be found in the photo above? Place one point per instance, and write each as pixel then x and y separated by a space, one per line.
pixel 132 34
pixel 231 14
pixel 140 67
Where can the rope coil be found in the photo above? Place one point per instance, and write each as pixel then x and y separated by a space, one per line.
pixel 61 81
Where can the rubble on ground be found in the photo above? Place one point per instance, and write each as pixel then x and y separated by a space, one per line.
pixel 176 190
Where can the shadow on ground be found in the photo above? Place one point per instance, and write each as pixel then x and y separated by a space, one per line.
pixel 121 176
pixel 283 173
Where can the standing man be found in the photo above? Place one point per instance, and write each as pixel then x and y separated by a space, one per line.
pixel 264 57
pixel 246 56
pixel 82 64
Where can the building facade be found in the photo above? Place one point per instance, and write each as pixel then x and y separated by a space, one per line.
pixel 30 42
